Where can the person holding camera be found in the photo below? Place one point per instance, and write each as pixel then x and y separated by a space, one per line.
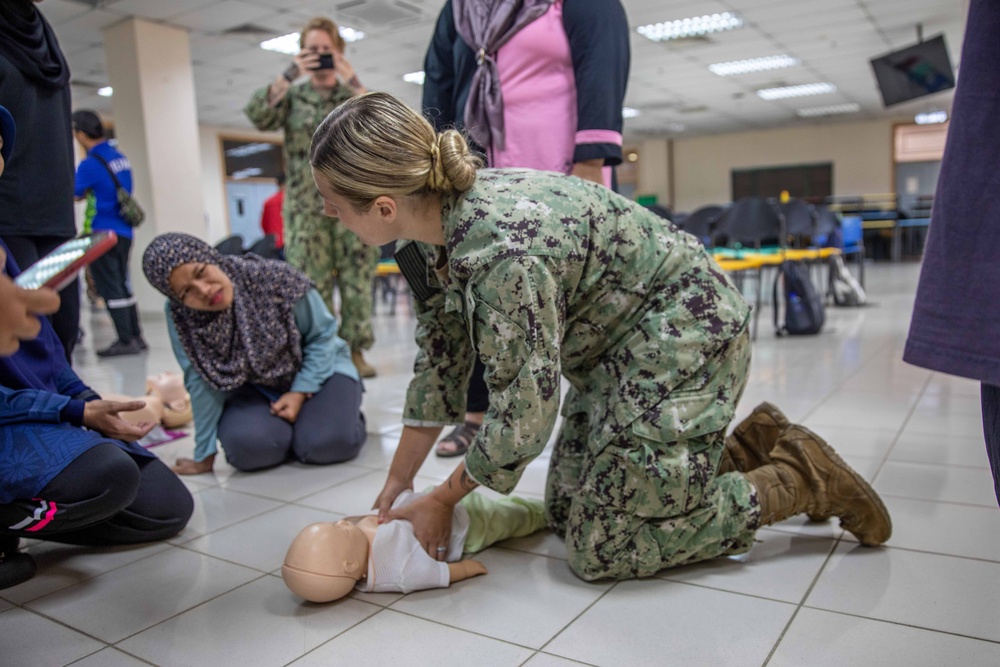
pixel 321 248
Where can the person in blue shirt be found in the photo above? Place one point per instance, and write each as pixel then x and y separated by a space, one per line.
pixel 268 375
pixel 70 469
pixel 110 271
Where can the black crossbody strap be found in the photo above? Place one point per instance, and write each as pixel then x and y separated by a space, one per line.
pixel 107 166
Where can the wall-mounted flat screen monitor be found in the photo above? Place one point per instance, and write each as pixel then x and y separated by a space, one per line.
pixel 918 70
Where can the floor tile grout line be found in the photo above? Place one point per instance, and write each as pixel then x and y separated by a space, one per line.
pixel 78 631
pixel 181 613
pixel 112 648
pixel 281 505
pixel 902 428
pixel 801 603
pixel 953 503
pixel 114 569
pixel 221 487
pixel 889 547
pixel 555 655
pixel 454 627
pixel 579 616
pixel 922 628
pixel 341 633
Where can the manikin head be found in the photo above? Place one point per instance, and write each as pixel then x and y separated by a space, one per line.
pixel 169 388
pixel 325 560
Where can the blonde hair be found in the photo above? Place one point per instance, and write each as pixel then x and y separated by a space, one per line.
pixel 326 25
pixel 375 145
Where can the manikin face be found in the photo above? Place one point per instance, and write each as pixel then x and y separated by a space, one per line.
pixel 1 157
pixel 375 227
pixel 202 286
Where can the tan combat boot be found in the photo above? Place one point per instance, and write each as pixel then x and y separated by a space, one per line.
pixel 365 369
pixel 806 475
pixel 751 442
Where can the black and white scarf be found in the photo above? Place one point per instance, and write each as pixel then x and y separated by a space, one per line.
pixel 256 340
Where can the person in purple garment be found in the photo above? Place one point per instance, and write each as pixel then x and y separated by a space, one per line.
pixel 956 324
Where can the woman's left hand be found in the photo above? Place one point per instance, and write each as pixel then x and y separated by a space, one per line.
pixel 288 405
pixel 431 519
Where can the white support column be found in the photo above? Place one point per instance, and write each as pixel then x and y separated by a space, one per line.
pixel 156 124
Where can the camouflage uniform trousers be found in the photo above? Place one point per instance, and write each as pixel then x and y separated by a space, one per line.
pixel 652 499
pixel 330 254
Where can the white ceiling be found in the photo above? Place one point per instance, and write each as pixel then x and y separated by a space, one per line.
pixel 669 84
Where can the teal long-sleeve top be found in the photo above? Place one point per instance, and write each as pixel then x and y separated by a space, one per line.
pixel 324 353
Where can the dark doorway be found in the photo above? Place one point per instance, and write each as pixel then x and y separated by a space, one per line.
pixel 812 182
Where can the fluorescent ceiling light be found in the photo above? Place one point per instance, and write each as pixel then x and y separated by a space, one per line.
pixel 289 44
pixel 351 35
pixel 931 117
pixel 249 149
pixel 629 112
pixel 692 27
pixel 246 173
pixel 414 77
pixel 796 91
pixel 753 65
pixel 829 110
pixel 106 91
pixel 675 127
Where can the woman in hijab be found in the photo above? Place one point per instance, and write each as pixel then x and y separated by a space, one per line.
pixel 268 375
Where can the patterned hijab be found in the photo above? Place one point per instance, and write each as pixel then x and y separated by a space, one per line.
pixel 256 339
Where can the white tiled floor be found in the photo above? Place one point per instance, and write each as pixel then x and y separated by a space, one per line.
pixel 805 595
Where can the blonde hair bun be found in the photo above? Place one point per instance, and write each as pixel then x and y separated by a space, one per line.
pixel 453 164
pixel 374 145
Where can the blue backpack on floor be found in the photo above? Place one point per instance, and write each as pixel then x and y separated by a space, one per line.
pixel 802 303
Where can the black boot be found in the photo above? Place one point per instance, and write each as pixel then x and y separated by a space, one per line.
pixel 15 567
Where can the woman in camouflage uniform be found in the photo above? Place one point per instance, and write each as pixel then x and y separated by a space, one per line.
pixel 550 276
pixel 319 247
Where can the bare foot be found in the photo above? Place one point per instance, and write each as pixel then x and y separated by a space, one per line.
pixel 185 466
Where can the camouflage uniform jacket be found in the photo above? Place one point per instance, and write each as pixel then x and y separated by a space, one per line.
pixel 547 275
pixel 299 113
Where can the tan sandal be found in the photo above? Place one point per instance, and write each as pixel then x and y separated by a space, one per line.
pixel 461 437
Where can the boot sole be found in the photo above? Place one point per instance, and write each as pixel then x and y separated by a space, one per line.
pixel 869 492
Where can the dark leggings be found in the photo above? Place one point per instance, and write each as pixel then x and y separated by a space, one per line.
pixel 105 496
pixel 329 429
pixel 26 250
pixel 110 272
pixel 991 430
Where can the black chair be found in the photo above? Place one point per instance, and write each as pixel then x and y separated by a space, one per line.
pixel 662 211
pixel 266 247
pixel 828 232
pixel 751 222
pixel 800 222
pixel 702 222
pixel 231 245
